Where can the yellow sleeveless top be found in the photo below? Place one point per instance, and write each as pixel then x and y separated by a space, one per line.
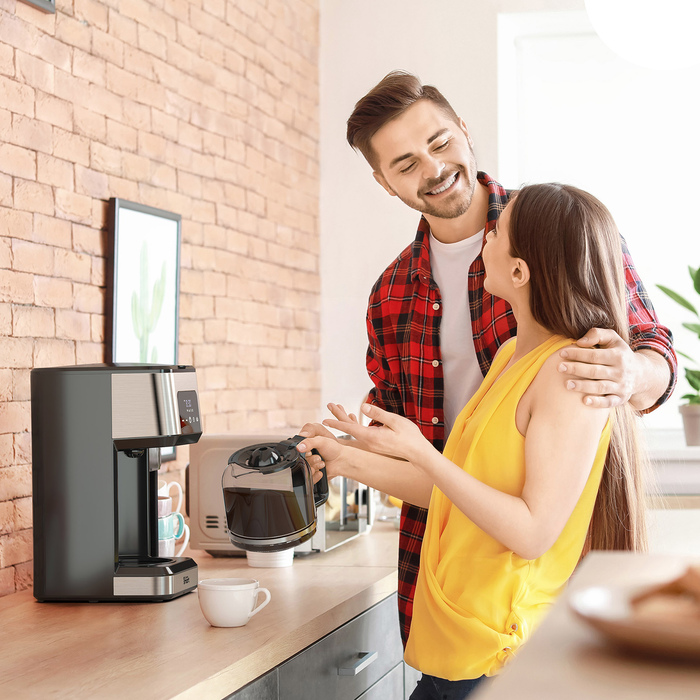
pixel 476 602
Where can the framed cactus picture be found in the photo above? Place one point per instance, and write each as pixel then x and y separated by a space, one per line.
pixel 144 283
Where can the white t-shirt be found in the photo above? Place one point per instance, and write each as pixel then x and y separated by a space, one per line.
pixel 450 267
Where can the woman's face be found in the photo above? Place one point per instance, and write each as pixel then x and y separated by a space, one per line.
pixel 498 261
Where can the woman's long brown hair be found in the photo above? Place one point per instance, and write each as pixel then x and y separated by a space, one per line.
pixel 577 282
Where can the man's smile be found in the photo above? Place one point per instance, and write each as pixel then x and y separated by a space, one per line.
pixel 444 185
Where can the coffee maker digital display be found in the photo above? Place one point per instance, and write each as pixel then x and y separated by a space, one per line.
pixel 97 431
pixel 189 411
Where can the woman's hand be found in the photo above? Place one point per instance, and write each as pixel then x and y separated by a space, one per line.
pixel 371 465
pixel 396 437
pixel 316 437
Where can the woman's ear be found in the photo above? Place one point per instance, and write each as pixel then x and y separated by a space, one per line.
pixel 520 273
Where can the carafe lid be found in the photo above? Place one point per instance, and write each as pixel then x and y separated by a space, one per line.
pixel 268 457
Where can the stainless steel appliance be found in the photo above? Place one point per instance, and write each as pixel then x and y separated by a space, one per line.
pixel 96 434
pixel 337 522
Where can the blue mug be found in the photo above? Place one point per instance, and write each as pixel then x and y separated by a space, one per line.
pixel 168 530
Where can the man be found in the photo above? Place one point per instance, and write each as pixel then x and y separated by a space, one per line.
pixel 433 329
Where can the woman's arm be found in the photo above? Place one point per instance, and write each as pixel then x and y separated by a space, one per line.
pixel 396 477
pixel 561 441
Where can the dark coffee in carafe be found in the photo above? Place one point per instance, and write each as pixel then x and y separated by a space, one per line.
pixel 264 513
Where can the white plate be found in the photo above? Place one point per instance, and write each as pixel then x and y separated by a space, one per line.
pixel 608 609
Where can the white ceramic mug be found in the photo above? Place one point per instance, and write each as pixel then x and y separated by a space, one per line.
pixel 164 488
pixel 165 506
pixel 166 547
pixel 230 602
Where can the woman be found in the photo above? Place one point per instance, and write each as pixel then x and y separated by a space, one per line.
pixel 530 477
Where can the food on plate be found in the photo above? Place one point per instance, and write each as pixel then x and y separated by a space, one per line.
pixel 677 600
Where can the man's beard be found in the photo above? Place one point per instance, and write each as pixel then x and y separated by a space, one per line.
pixel 449 208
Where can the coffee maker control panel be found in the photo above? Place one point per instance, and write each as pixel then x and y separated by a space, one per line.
pixel 155 409
pixel 189 411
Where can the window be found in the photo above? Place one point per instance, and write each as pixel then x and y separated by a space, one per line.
pixel 571 111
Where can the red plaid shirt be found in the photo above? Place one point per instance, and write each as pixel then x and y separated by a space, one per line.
pixel 403 357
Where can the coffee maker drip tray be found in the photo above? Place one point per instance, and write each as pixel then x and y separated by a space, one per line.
pixel 154 578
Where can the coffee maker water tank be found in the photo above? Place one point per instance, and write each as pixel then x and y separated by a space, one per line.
pixel 95 484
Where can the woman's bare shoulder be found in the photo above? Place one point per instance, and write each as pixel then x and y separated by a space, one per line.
pixel 551 388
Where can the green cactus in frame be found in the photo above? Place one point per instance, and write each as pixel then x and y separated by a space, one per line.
pixel 146 306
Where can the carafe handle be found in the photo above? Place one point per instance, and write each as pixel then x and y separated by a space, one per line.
pixel 321 486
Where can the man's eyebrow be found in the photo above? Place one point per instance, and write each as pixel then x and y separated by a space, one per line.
pixel 398 159
pixel 436 135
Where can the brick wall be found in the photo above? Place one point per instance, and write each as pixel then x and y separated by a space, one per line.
pixel 206 108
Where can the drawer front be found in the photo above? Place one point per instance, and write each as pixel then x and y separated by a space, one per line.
pixel 390 687
pixel 343 665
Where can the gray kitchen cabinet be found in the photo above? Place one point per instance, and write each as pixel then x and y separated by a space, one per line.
pixel 362 659
pixel 264 688
pixel 345 663
pixel 388 686
pixel 410 680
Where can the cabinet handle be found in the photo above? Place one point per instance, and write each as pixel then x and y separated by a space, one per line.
pixel 365 658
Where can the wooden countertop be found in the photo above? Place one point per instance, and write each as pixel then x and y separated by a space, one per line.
pixel 565 658
pixel 167 650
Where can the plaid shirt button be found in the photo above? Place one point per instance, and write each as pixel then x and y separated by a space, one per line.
pixel 436 363
pixel 436 306
pixel 436 420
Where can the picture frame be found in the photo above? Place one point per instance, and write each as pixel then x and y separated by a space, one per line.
pixel 43 5
pixel 143 287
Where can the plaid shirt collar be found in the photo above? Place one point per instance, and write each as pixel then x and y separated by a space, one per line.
pixel 420 254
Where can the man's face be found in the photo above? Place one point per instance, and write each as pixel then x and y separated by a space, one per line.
pixel 426 159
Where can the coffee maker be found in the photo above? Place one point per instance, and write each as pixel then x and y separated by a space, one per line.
pixel 97 431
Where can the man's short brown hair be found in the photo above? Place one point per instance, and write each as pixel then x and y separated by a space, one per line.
pixel 390 98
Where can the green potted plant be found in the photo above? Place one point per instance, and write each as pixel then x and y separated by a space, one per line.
pixel 690 410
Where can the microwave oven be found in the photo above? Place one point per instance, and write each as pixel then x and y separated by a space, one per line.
pixel 348 513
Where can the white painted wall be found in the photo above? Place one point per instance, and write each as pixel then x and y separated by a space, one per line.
pixel 576 112
pixel 452 45
pixel 362 228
